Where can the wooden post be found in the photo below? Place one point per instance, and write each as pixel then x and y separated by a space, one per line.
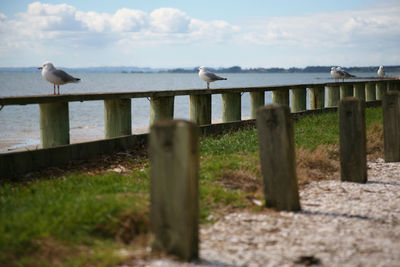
pixel 388 86
pixel 231 107
pixel 280 97
pixel 359 90
pixel 117 117
pixel 370 92
pixel 54 124
pixel 299 97
pixel 317 97
pixel 346 90
pixel 174 162
pixel 161 108
pixel 332 95
pixel 277 156
pixel 200 109
pixel 257 99
pixel 353 156
pixel 380 90
pixel 391 126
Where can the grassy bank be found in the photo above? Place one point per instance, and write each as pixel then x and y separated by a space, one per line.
pixel 97 213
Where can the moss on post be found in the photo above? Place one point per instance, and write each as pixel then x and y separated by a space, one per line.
pixel 299 99
pixel 359 90
pixel 257 99
pixel 317 97
pixel 54 124
pixel 380 90
pixel 370 91
pixel 117 117
pixel 200 109
pixel 280 97
pixel 346 90
pixel 332 95
pixel 231 107
pixel 161 108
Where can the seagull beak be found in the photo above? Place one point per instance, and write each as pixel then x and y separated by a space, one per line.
pixel 40 68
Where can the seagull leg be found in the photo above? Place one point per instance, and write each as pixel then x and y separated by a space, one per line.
pixel 208 85
pixel 58 87
pixel 54 89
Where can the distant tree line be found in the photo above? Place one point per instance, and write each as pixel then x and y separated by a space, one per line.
pixel 308 69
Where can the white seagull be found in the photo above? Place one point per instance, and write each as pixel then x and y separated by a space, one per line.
pixel 335 74
pixel 208 76
pixel 381 72
pixel 343 74
pixel 56 76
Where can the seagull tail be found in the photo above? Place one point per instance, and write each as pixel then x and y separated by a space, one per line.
pixel 77 80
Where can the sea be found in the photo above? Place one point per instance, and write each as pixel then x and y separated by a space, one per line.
pixel 19 125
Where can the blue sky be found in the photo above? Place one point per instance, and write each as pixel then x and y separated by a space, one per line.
pixel 183 33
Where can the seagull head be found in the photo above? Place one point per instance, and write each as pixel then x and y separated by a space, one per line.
pixel 202 68
pixel 47 65
pixel 380 67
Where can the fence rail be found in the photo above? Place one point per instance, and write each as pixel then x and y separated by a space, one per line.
pixel 54 110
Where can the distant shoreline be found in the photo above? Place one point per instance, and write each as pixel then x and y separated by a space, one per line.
pixel 234 69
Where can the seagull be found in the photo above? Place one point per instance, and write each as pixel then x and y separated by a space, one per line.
pixel 335 74
pixel 381 72
pixel 208 76
pixel 56 76
pixel 343 74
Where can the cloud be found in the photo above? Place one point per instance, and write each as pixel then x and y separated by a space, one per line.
pixel 333 29
pixel 169 20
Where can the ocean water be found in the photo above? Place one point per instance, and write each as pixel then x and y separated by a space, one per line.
pixel 19 125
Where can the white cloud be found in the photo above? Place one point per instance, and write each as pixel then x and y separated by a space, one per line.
pixel 334 29
pixel 128 20
pixel 169 20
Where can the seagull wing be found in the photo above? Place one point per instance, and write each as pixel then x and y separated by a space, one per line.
pixel 65 77
pixel 212 76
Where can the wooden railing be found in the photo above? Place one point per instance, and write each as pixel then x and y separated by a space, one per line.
pixel 54 110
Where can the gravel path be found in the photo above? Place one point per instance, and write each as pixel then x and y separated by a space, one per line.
pixel 341 224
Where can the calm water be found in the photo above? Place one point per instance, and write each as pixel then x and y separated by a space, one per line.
pixel 19 125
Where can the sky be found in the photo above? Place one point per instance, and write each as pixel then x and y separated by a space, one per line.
pixel 213 33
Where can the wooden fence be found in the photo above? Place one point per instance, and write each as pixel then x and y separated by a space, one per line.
pixel 54 110
pixel 54 116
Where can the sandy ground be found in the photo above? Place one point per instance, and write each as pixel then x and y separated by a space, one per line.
pixel 341 224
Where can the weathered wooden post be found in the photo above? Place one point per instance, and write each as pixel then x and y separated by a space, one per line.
pixel 231 107
pixel 117 117
pixel 380 90
pixel 299 99
pixel 359 90
pixel 54 124
pixel 161 108
pixel 391 126
pixel 174 166
pixel 353 156
pixel 317 97
pixel 332 95
pixel 200 109
pixel 346 90
pixel 370 94
pixel 278 158
pixel 388 86
pixel 280 97
pixel 257 99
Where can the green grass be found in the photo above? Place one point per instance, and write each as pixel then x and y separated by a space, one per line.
pixel 82 214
